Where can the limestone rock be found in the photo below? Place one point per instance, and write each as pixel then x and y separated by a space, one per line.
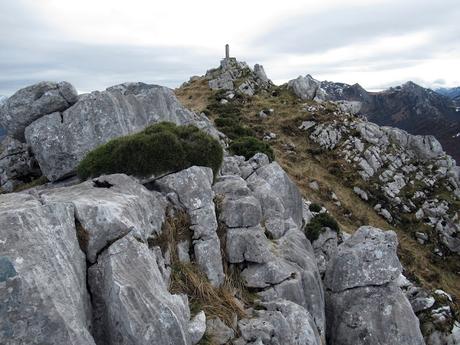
pixel 260 73
pixel 307 88
pixel 283 323
pixel 371 315
pixel 56 139
pixel 17 164
pixel 42 274
pixel 364 301
pixel 197 327
pixel 247 244
pixel 32 102
pixel 219 331
pixel 131 302
pixel 368 257
pixel 241 212
pixel 281 186
pixel 108 213
pixel 193 189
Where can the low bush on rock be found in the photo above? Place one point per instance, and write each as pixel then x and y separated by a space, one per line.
pixel 158 149
pixel 229 120
pixel 318 224
pixel 315 207
pixel 249 146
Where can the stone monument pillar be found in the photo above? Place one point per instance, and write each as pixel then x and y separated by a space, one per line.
pixel 227 51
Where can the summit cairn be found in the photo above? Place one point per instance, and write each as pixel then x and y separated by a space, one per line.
pixel 234 75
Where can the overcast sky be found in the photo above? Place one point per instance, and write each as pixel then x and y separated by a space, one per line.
pixel 97 43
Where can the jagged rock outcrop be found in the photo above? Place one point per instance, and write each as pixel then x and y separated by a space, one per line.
pixel 401 173
pixel 42 274
pixel 110 207
pixel 364 305
pixel 237 76
pixel 57 139
pixel 131 302
pixel 410 107
pixel 284 268
pixel 307 88
pixel 17 164
pixel 192 188
pixel 32 102
pixel 283 322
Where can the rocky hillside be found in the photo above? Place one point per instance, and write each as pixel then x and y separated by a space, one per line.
pixel 312 141
pixel 409 107
pixel 277 246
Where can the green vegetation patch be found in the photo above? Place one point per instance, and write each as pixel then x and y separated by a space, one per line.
pixel 158 149
pixel 315 207
pixel 249 146
pixel 318 224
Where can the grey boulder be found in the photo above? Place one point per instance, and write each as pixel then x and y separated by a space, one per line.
pixel 307 88
pixel 42 274
pixel 219 332
pixel 364 304
pixel 241 212
pixel 247 244
pixel 368 257
pixel 17 164
pixel 371 315
pixel 280 185
pixel 61 140
pixel 283 323
pixel 32 102
pixel 131 302
pixel 109 207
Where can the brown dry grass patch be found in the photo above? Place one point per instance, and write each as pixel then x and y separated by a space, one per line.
pixel 188 279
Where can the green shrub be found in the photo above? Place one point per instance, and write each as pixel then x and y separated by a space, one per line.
pixel 225 110
pixel 317 225
pixel 158 149
pixel 315 207
pixel 249 146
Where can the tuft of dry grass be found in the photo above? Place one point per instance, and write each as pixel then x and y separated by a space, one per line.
pixel 188 279
pixel 219 302
pixel 195 95
pixel 34 183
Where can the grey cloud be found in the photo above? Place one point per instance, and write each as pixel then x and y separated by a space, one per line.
pixel 31 51
pixel 346 25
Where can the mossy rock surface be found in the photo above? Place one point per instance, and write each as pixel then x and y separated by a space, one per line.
pixel 158 149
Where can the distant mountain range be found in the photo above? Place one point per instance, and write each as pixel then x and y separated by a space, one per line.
pixel 452 93
pixel 410 107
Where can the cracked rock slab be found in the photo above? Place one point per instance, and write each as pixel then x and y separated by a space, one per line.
pixel 194 192
pixel 283 322
pixel 42 274
pixel 368 257
pixel 32 102
pixel 131 302
pixel 247 244
pixel 241 212
pixel 107 213
pixel 371 315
